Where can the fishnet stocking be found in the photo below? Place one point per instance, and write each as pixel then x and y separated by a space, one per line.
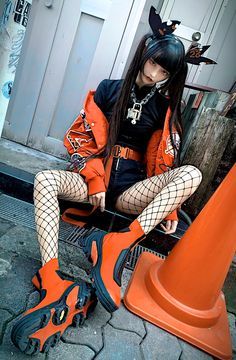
pixel 48 186
pixel 156 197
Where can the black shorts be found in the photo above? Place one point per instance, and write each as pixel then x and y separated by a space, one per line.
pixel 124 174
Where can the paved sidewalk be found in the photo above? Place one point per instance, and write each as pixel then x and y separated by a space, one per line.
pixel 103 336
pixel 120 336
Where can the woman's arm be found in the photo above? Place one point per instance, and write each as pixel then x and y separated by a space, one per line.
pixel 85 140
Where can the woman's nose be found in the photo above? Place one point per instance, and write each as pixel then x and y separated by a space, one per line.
pixel 154 73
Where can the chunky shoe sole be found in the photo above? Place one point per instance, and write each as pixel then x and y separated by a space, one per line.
pixel 101 291
pixel 42 329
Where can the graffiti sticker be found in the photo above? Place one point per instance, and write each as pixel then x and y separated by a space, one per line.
pixel 6 89
pixel 21 11
pixel 6 13
pixel 14 56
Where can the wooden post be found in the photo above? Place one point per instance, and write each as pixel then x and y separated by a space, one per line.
pixel 204 150
pixel 218 100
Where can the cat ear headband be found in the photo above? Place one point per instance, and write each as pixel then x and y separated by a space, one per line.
pixel 194 55
pixel 159 29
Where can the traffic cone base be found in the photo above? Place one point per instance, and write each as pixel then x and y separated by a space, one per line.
pixel 145 297
pixel 194 317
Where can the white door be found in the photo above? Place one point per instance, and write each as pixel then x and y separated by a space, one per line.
pixel 70 46
pixel 216 22
pixel 202 16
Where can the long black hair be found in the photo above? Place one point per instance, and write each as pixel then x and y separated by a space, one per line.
pixel 167 51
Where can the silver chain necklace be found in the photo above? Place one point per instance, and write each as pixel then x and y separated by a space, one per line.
pixel 134 113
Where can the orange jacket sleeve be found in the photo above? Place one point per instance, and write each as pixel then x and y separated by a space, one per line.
pixel 81 144
pixel 94 176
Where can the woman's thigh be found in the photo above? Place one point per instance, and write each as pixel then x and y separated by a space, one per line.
pixel 135 199
pixel 64 184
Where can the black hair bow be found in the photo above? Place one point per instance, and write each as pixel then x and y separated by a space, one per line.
pixel 158 27
pixel 194 55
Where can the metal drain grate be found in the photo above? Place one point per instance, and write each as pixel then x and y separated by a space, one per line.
pixel 74 239
pixel 22 213
pixel 138 250
pixel 17 211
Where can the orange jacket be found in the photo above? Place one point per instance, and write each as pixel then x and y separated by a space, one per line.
pixel 88 136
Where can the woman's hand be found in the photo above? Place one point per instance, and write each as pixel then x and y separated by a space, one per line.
pixel 170 226
pixel 98 200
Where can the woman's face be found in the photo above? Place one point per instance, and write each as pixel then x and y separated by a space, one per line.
pixel 152 73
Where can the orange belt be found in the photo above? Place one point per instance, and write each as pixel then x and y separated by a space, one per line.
pixel 126 153
pixel 117 152
pixel 120 152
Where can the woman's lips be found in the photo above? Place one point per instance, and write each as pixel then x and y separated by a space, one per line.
pixel 148 78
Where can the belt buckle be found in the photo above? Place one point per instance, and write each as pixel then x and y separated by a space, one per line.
pixel 121 152
pixel 117 151
pixel 126 153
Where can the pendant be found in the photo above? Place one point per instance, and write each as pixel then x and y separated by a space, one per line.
pixel 134 113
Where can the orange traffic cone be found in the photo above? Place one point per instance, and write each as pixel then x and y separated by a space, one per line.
pixel 182 294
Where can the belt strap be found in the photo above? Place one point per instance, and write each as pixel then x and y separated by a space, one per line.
pixel 126 153
pixel 120 152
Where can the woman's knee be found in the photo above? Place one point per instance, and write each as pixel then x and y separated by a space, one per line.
pixel 194 172
pixel 45 177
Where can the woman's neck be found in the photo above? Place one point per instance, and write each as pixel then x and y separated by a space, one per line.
pixel 139 81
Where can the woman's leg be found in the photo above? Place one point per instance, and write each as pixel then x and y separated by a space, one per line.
pixel 49 185
pixel 154 198
pixel 63 302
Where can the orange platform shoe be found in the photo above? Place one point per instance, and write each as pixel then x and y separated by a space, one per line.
pixel 63 303
pixel 109 253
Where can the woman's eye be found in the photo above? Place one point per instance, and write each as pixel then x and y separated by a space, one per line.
pixel 152 62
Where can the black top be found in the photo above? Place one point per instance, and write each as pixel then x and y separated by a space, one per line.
pixel 152 117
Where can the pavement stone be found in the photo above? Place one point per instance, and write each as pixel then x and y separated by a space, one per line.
pixel 76 272
pixel 193 353
pixel 10 352
pixel 91 332
pixel 70 352
pixel 21 240
pixel 125 280
pixel 5 266
pixel 5 225
pixel 73 261
pixel 159 344
pixel 16 284
pixel 5 315
pixel 120 345
pixel 122 319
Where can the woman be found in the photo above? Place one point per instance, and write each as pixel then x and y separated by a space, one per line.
pixel 140 152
